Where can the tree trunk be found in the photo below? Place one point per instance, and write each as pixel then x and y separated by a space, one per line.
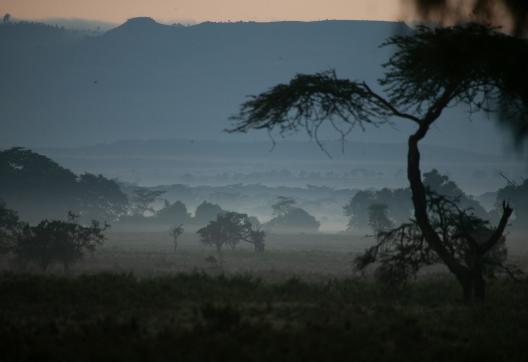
pixel 479 288
pixel 419 200
pixel 474 289
pixel 477 277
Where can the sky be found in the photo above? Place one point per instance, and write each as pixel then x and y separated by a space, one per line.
pixel 117 11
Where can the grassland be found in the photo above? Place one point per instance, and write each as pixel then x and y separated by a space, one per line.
pixel 138 300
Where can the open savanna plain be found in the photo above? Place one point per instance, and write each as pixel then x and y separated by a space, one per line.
pixel 138 299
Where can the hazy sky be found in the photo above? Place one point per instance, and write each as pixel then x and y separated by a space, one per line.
pixel 202 10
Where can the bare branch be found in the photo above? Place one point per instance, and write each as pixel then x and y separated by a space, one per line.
pixel 499 231
pixel 390 107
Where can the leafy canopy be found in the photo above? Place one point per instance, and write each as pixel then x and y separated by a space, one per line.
pixel 57 241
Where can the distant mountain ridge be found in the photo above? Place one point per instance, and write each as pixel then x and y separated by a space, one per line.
pixel 145 80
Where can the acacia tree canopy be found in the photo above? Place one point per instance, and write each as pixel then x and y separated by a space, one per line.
pixel 229 229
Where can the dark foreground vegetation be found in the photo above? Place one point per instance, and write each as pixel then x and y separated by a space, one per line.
pixel 198 317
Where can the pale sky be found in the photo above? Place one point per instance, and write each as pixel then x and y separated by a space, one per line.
pixel 117 11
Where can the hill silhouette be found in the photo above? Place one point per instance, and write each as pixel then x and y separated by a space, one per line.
pixel 145 80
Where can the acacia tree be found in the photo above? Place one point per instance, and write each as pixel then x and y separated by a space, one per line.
pixel 430 70
pixel 290 218
pixel 229 229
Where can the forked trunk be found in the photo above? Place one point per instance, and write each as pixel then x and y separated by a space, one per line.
pixel 472 284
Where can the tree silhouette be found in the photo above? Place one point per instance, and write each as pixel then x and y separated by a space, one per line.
pixel 142 200
pixel 229 229
pixel 57 241
pixel 430 70
pixel 398 202
pixel 10 227
pixel 290 218
pixel 173 213
pixel 176 232
pixel 101 198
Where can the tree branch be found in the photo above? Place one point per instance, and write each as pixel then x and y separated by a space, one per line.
pixel 388 105
pixel 499 231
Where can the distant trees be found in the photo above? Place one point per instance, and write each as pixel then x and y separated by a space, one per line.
pixel 10 227
pixel 290 218
pixel 101 198
pixel 229 229
pixel 517 195
pixel 176 232
pixel 175 213
pixel 40 188
pixel 399 201
pixel 142 199
pixel 144 215
pixel 57 241
pixel 443 185
pixel 7 18
pixel 378 219
pixel 398 204
pixel 50 241
pixel 282 206
pixel 206 212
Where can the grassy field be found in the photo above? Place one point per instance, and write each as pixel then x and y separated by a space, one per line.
pixel 138 300
pixel 311 257
pixel 306 256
